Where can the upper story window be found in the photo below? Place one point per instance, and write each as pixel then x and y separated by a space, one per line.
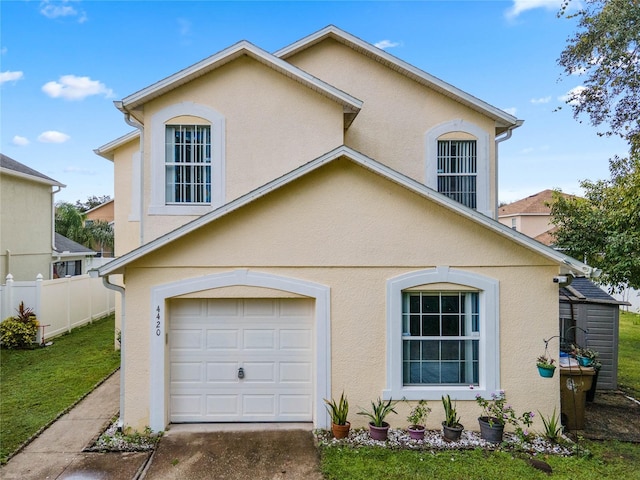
pixel 458 164
pixel 188 164
pixel 187 160
pixel 457 170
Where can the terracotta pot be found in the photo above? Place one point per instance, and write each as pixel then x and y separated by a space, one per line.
pixel 416 432
pixel 491 433
pixel 340 431
pixel 379 433
pixel 452 434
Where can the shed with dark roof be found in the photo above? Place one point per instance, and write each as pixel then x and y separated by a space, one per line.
pixel 589 317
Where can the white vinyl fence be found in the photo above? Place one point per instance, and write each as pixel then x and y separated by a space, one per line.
pixel 60 304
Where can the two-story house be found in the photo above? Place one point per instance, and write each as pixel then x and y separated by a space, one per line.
pixel 321 219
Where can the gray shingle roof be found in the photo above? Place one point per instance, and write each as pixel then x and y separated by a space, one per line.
pixel 584 290
pixel 11 164
pixel 63 244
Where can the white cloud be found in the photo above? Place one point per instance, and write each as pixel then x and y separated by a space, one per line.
pixel 520 6
pixel 511 110
pixel 537 101
pixel 55 9
pixel 10 76
pixel 20 141
pixel 51 136
pixel 572 97
pixel 71 87
pixel 3 50
pixel 384 44
pixel 185 26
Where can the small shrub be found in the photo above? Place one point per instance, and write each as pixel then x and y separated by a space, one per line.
pixel 552 426
pixel 16 333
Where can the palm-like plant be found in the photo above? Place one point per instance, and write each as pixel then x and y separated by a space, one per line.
pixel 338 410
pixel 379 411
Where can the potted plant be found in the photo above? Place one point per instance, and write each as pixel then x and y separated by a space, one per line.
pixel 585 356
pixel 451 427
pixel 378 428
pixel 417 419
pixel 546 367
pixel 495 413
pixel 339 411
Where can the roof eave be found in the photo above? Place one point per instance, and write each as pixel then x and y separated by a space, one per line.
pixel 504 120
pixel 33 178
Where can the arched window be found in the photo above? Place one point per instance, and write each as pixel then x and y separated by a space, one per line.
pixel 187 160
pixel 457 163
pixel 442 334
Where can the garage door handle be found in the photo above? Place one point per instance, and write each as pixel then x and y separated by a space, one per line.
pixel 241 372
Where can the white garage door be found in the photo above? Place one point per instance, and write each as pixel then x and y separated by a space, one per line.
pixel 210 340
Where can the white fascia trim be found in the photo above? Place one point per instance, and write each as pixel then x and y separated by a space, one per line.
pixel 349 103
pixel 483 188
pixel 401 66
pixel 489 341
pixel 359 158
pixel 106 151
pixel 33 178
pixel 158 408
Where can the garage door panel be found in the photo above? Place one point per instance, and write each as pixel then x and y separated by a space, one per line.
pixel 264 339
pixel 188 339
pixel 186 372
pixel 295 339
pixel 223 339
pixel 271 339
pixel 222 372
pixel 295 372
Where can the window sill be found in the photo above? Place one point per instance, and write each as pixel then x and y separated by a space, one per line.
pixel 436 393
pixel 185 209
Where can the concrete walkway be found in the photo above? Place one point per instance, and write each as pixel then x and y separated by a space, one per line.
pixel 194 452
pixel 57 452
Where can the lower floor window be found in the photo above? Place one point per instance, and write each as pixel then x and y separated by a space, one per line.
pixel 441 334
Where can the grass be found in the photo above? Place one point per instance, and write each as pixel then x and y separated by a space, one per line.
pixel 628 348
pixel 607 460
pixel 37 385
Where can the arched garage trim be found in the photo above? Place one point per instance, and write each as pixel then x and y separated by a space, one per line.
pixel 158 413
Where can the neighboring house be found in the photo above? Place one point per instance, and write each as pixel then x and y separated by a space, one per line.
pixel 531 216
pixel 70 258
pixel 27 225
pixel 101 213
pixel 318 220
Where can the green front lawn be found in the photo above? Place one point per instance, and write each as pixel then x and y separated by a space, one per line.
pixel 37 385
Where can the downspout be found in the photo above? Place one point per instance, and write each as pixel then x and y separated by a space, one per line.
pixel 53 228
pixel 505 136
pixel 120 290
pixel 133 122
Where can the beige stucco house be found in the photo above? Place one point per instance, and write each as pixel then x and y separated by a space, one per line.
pixel 317 220
pixel 27 239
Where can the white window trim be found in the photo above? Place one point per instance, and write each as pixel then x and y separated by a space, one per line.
pixel 158 124
pixel 489 346
pixel 483 187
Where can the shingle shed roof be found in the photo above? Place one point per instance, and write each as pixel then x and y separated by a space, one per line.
pixel 583 290
pixel 64 244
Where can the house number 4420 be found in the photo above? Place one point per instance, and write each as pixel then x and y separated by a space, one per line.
pixel 158 331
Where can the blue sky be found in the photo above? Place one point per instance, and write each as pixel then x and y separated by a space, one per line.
pixel 63 63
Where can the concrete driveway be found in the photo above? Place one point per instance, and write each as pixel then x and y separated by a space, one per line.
pixel 257 451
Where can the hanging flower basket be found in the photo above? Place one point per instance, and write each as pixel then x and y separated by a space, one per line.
pixel 546 371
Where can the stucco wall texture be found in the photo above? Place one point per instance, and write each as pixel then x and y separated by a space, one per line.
pixel 347 228
pixel 21 202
